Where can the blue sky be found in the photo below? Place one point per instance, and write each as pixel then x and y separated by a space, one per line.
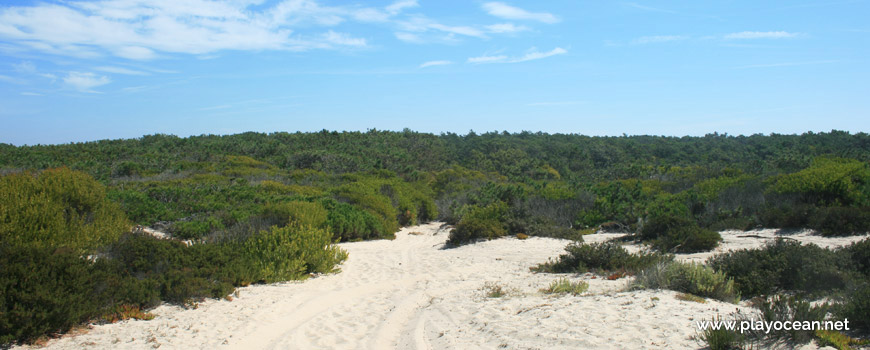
pixel 74 71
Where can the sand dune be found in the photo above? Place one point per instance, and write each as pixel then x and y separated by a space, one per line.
pixel 411 294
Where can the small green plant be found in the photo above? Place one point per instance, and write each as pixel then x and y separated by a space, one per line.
pixel 565 286
pixel 691 297
pixel 838 340
pixel 494 290
pixel 690 278
pixel 722 338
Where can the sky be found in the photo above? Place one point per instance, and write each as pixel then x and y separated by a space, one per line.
pixel 77 71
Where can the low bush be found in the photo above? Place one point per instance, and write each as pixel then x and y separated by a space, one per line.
pixel 859 255
pixel 788 309
pixel 565 286
pixel 690 278
pixel 291 252
pixel 784 265
pixel 841 221
pixel 350 223
pixel 601 257
pixel 856 307
pixel 195 229
pixel 45 291
pixel 722 338
pixel 58 207
pixel 300 212
pixel 481 223
pixel 677 234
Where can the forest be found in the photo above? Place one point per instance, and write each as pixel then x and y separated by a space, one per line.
pixel 260 208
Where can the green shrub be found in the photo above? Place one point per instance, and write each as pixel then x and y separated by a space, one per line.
pixel 677 234
pixel 481 223
pixel 859 255
pixel 783 265
pixel 565 286
pixel 292 252
pixel 350 223
pixel 690 278
pixel 722 338
pixel 179 273
pixel 44 291
pixel 195 229
pixel 302 213
pixel 841 221
pixel 788 309
pixel 601 257
pixel 58 207
pixel 856 307
pixel 786 215
pixel 828 181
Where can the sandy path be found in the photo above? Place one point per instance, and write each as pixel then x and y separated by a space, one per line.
pixel 411 294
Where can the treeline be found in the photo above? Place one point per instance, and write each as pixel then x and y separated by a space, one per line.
pixel 260 207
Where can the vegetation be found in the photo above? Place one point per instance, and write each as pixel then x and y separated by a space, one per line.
pixel 689 278
pixel 602 258
pixel 565 286
pixel 267 207
pixel 785 265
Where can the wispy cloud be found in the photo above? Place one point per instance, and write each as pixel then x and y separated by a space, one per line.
pixel 658 39
pixel 120 70
pixel 435 63
pixel 85 81
pixel 532 54
pixel 398 6
pixel 505 28
pixel 535 55
pixel 27 93
pixel 488 59
pixel 145 30
pixel 25 67
pixel 343 39
pixel 502 10
pixel 409 37
pixel 761 35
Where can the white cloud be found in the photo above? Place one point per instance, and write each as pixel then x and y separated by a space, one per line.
pixel 532 54
pixel 760 35
pixel 502 10
pixel 343 39
pixel 85 81
pixel 461 30
pixel 120 70
pixel 25 67
pixel 487 59
pixel 135 52
pixel 397 7
pixel 435 63
pixel 148 29
pixel 26 93
pixel 408 37
pixel 658 39
pixel 535 55
pixel 505 28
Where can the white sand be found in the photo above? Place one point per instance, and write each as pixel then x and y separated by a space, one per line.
pixel 411 294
